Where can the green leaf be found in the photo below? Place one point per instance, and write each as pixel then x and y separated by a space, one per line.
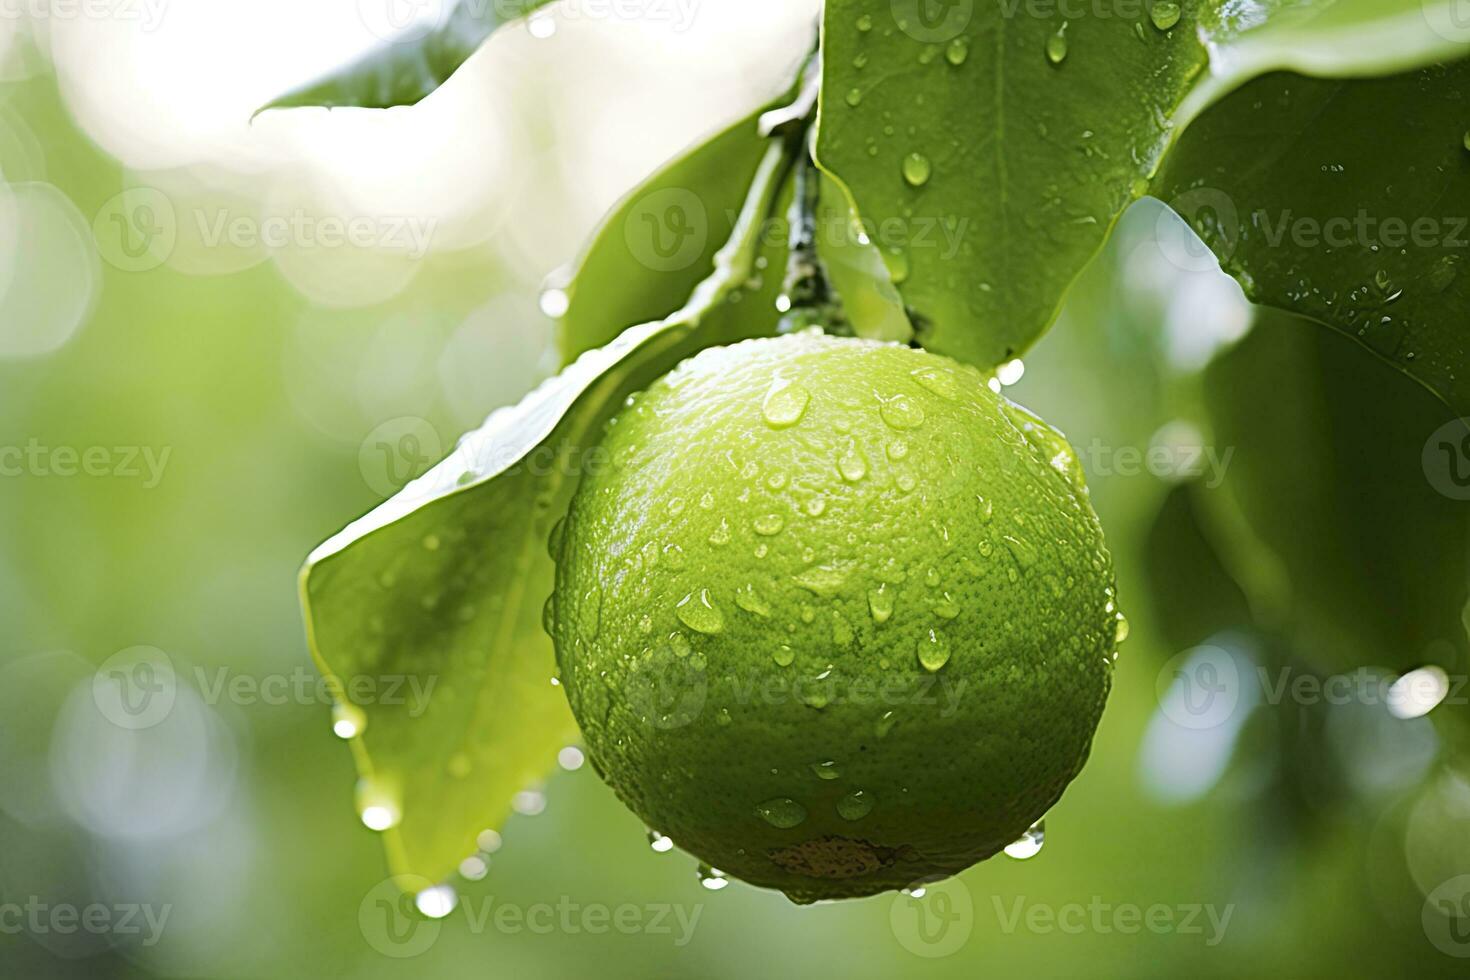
pixel 1328 501
pixel 656 244
pixel 445 582
pixel 412 64
pixel 1028 135
pixel 1362 228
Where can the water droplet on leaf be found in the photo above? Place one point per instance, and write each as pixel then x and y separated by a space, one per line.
pixel 916 169
pixel 1164 14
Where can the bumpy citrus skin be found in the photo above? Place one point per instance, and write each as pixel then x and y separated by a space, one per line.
pixel 834 616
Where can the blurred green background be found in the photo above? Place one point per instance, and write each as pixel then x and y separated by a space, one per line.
pixel 227 392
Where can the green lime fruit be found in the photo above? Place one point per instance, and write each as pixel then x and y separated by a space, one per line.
pixel 834 616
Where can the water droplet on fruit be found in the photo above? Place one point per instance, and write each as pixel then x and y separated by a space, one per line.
pixel 897 449
pixel 933 650
pixel 711 878
pixel 855 805
pixel 785 403
pixel 947 608
pixel 941 383
pixel 825 580
pixel 987 509
pixel 865 23
pixel 748 599
pixel 852 464
pixel 1029 845
pixel 1021 550
pixel 958 51
pixel 916 169
pixel 901 412
pixel 674 555
pixel 826 770
pixel 1011 372
pixel 783 655
pixel 880 603
pixel 769 524
pixel 782 812
pixel 699 613
pixel 659 843
pixel 721 534
pixel 816 506
pixel 885 724
pixel 854 97
pixel 1121 631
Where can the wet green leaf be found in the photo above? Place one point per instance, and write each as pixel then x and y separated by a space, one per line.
pixel 1030 134
pixel 1365 228
pixel 445 583
pixel 656 244
pixel 413 63
pixel 1329 517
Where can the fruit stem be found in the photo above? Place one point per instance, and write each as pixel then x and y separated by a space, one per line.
pixel 807 296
